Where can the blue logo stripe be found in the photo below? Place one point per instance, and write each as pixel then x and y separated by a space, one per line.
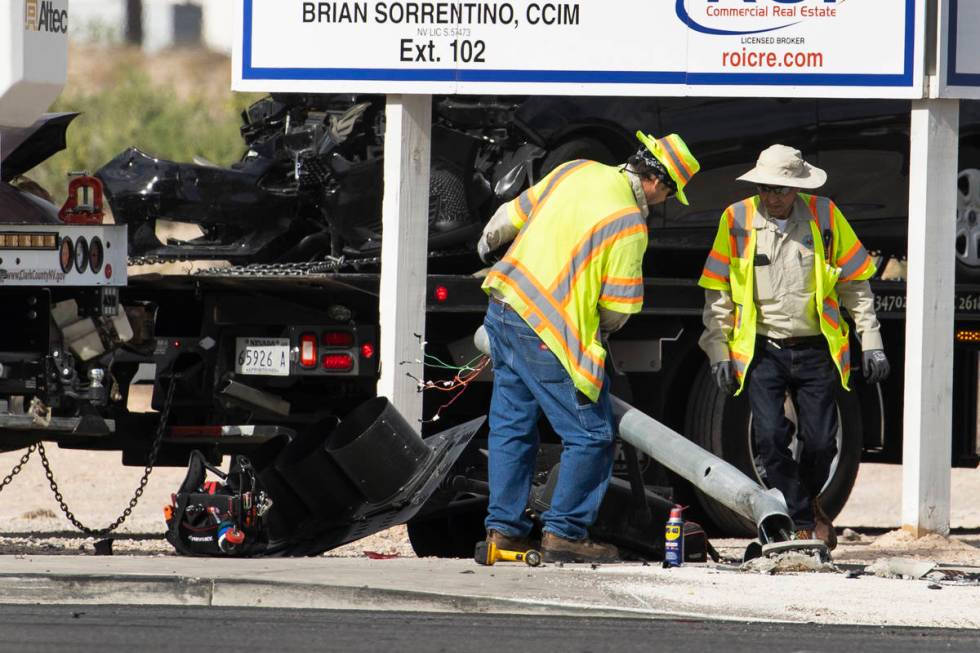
pixel 698 27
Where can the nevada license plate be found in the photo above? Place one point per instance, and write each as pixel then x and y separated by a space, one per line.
pixel 262 356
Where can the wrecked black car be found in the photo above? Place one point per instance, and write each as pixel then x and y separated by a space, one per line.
pixel 309 184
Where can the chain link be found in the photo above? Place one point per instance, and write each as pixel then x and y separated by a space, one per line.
pixel 16 469
pixel 154 451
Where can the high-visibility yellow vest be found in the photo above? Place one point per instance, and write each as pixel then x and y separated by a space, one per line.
pixel 580 245
pixel 730 268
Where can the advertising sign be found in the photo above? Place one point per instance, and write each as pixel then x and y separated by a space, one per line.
pixel 819 48
pixel 34 65
pixel 959 52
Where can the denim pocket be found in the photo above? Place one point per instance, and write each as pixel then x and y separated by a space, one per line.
pixel 543 364
pixel 594 420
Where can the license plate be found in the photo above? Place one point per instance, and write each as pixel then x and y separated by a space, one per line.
pixel 262 356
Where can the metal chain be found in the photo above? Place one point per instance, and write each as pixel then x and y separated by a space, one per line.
pixel 154 451
pixel 16 469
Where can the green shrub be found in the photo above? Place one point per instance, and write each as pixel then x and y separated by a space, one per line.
pixel 132 111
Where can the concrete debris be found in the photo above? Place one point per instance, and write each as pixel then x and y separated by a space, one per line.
pixel 850 535
pixel 905 568
pixel 787 563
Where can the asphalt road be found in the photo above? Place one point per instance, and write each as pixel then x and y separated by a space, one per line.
pixel 151 628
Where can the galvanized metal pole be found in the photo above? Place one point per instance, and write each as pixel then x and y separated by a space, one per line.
pixel 710 474
pixel 405 212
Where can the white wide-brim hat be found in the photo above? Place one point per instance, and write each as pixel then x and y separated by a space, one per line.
pixel 780 165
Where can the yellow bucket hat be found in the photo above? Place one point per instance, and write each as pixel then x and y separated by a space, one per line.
pixel 672 152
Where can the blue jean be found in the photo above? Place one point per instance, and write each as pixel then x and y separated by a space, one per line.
pixel 809 376
pixel 528 380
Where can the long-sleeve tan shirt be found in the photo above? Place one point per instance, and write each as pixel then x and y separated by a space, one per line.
pixel 500 230
pixel 785 289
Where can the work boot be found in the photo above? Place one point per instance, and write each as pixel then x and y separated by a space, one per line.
pixel 555 548
pixel 824 530
pixel 803 534
pixel 508 543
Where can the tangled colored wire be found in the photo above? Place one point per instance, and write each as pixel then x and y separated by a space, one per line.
pixel 464 375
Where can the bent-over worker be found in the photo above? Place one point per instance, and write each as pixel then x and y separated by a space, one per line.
pixel 573 272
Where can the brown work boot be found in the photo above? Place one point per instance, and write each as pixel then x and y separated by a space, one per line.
pixel 508 543
pixel 803 534
pixel 555 548
pixel 824 530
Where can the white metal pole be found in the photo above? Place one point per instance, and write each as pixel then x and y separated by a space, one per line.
pixel 927 438
pixel 404 213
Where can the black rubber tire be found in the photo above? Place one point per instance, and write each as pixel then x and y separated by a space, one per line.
pixel 453 536
pixel 583 147
pixel 720 424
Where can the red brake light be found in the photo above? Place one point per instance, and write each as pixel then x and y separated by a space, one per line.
pixel 108 270
pixel 441 294
pixel 367 350
pixel 307 350
pixel 338 339
pixel 338 362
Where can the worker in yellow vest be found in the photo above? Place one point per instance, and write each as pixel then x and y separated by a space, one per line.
pixel 782 265
pixel 572 273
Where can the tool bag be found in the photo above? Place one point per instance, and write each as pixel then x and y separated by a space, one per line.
pixel 224 517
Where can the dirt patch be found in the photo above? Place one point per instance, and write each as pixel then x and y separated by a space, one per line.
pixel 188 72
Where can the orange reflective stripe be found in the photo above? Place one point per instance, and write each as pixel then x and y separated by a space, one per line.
pixel 730 217
pixel 831 312
pixel 854 263
pixel 624 281
pixel 619 299
pixel 711 275
pixel 680 166
pixel 554 305
pixel 717 266
pixel 851 253
pixel 595 252
pixel 561 175
pixel 549 326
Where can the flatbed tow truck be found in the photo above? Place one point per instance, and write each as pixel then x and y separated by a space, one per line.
pixel 248 358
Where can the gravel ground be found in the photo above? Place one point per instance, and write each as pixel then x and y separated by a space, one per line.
pixel 97 487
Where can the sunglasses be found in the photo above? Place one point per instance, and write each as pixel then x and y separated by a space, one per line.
pixel 775 190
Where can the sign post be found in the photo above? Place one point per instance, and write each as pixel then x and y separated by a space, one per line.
pixel 404 250
pixel 927 436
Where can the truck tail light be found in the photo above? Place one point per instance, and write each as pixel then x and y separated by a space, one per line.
pixel 307 350
pixel 967 335
pixel 367 350
pixel 441 294
pixel 338 339
pixel 338 362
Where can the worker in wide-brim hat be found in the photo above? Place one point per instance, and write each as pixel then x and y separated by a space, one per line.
pixel 573 271
pixel 782 265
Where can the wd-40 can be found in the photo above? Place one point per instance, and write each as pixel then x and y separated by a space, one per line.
pixel 674 539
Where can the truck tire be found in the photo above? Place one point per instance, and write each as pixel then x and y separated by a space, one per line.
pixel 722 425
pixel 968 225
pixel 583 147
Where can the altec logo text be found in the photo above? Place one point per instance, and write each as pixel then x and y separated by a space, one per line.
pixel 715 16
pixel 42 16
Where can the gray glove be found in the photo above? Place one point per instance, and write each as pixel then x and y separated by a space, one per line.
pixel 724 375
pixel 876 367
pixel 483 249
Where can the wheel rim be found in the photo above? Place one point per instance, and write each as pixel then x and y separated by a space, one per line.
pixel 968 218
pixel 795 446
